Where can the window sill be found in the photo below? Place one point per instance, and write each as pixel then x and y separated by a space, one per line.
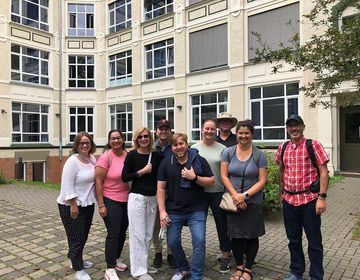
pixel 31 145
pixel 158 80
pixel 147 21
pixel 119 86
pixel 80 89
pixel 209 70
pixel 27 84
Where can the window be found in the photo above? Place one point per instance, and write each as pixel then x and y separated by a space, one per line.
pixel 206 106
pixel 270 106
pixel 81 119
pixel 160 59
pixel 30 123
pixel 120 69
pixel 119 15
pixel 194 1
pixel 29 65
pixel 32 13
pixel 275 27
pixel 208 48
pixel 121 118
pixel 81 71
pixel 157 109
pixel 156 8
pixel 81 20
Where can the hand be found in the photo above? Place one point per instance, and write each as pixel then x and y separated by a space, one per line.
pixel 188 173
pixel 238 198
pixel 103 212
pixel 164 219
pixel 74 211
pixel 241 205
pixel 320 206
pixel 147 169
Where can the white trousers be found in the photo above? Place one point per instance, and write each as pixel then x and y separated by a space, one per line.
pixel 141 213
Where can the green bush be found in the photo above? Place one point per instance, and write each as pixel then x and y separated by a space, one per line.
pixel 271 190
pixel 3 179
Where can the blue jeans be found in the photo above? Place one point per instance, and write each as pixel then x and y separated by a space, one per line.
pixel 197 225
pixel 295 219
pixel 219 215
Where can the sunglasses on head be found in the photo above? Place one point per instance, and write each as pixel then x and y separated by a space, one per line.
pixel 146 136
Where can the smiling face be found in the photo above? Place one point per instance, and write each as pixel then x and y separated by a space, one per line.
pixel 208 130
pixel 296 131
pixel 244 135
pixel 225 124
pixel 116 141
pixel 144 139
pixel 84 146
pixel 163 133
pixel 180 148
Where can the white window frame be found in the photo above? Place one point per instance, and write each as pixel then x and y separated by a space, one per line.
pixel 19 15
pixel 221 103
pixel 87 114
pixel 154 12
pixel 37 60
pixel 114 60
pixel 114 9
pixel 153 107
pixel 42 112
pixel 76 12
pixel 116 113
pixel 168 66
pixel 89 62
pixel 259 120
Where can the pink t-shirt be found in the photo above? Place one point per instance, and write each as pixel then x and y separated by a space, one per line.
pixel 113 185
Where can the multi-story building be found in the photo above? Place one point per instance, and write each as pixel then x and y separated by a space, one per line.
pixel 73 65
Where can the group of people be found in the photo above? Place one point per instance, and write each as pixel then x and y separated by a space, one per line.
pixel 167 185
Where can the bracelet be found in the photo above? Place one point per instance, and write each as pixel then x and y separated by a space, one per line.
pixel 101 205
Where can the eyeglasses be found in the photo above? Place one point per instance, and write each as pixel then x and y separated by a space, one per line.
pixel 115 138
pixel 84 143
pixel 146 136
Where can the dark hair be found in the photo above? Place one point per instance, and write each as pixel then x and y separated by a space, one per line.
pixel 107 146
pixel 78 139
pixel 246 123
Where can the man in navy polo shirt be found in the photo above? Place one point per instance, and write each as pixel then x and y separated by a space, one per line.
pixel 183 176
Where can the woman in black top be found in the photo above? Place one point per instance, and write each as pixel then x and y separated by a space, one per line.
pixel 140 167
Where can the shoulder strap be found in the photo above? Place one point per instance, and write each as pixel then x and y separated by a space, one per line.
pixel 310 150
pixel 256 155
pixel 232 151
pixel 282 154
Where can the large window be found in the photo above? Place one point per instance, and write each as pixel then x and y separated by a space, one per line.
pixel 208 48
pixel 81 119
pixel 158 109
pixel 32 13
pixel 275 28
pixel 119 15
pixel 30 123
pixel 81 20
pixel 29 65
pixel 121 118
pixel 160 59
pixel 81 71
pixel 156 8
pixel 120 69
pixel 206 106
pixel 270 106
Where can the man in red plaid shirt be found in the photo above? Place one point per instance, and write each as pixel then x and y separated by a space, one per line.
pixel 301 207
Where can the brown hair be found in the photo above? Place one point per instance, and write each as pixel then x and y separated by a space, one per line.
pixel 137 134
pixel 246 123
pixel 175 136
pixel 78 139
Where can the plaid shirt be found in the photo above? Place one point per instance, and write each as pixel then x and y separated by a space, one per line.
pixel 299 172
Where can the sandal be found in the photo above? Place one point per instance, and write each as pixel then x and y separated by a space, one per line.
pixel 237 274
pixel 248 272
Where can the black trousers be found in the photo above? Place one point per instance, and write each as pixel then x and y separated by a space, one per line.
pixel 77 231
pixel 248 247
pixel 116 222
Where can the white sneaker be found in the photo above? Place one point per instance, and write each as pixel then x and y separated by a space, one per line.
pixel 110 274
pixel 87 264
pixel 181 275
pixel 152 270
pixel 120 266
pixel 82 275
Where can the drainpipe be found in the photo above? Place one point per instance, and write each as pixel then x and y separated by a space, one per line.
pixel 60 15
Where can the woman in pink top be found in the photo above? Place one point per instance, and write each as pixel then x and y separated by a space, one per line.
pixel 112 195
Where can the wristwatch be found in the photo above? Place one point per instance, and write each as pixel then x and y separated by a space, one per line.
pixel 246 195
pixel 322 196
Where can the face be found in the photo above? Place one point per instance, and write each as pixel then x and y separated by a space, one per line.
pixel 144 139
pixel 243 135
pixel 179 148
pixel 208 130
pixel 225 124
pixel 116 141
pixel 84 146
pixel 163 133
pixel 295 131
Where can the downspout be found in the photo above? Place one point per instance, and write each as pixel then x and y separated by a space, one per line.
pixel 60 14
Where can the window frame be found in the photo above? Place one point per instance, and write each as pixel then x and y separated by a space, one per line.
pixel 115 114
pixel 162 10
pixel 116 27
pixel 73 18
pixel 76 115
pixel 119 80
pixel 87 66
pixel 153 106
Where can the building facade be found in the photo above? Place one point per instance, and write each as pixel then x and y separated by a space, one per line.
pixel 94 65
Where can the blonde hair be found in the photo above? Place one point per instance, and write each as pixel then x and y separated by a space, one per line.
pixel 137 134
pixel 175 136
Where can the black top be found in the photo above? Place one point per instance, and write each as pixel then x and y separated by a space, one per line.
pixel 145 184
pixel 230 141
pixel 183 200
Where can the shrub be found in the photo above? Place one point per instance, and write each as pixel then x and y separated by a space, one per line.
pixel 3 179
pixel 271 190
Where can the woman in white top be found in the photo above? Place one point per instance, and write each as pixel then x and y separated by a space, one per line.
pixel 76 200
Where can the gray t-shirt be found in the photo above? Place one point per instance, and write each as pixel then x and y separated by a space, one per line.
pixel 236 170
pixel 213 156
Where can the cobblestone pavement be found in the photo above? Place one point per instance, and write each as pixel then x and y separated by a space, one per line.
pixel 33 243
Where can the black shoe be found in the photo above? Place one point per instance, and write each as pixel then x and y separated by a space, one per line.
pixel 157 260
pixel 171 261
pixel 225 266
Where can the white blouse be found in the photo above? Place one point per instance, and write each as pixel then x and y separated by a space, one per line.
pixel 78 180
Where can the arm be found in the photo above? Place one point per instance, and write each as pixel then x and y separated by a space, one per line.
pixel 324 183
pixel 100 174
pixel 164 218
pixel 225 178
pixel 203 181
pixel 68 177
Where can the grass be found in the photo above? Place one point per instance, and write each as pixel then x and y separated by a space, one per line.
pixel 356 231
pixel 335 180
pixel 40 185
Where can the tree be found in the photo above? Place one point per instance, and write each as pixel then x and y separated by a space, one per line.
pixel 332 53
